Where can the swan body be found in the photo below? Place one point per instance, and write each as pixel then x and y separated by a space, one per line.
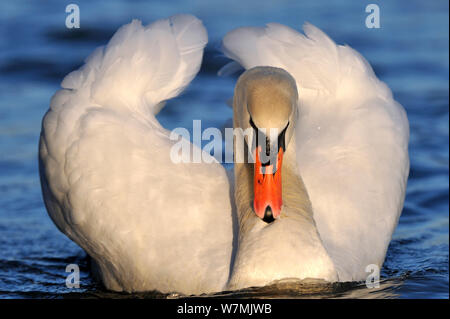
pixel 148 223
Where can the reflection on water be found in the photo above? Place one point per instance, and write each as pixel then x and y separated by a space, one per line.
pixel 314 289
pixel 286 289
pixel 409 52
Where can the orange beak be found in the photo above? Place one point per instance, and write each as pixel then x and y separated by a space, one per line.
pixel 267 188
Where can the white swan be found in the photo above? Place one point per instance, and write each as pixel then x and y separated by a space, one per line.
pixel 148 223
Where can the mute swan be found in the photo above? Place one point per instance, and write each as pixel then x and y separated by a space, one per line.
pixel 150 224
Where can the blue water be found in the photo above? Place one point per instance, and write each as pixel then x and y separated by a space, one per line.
pixel 409 52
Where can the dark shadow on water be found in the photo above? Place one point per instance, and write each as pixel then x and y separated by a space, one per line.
pixel 283 289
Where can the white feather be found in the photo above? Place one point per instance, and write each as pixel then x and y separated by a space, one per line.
pixel 107 177
pixel 352 139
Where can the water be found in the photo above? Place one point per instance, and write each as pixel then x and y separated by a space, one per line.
pixel 409 53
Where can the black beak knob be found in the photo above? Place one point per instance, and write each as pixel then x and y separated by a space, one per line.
pixel 268 216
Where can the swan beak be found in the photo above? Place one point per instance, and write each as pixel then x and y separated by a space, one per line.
pixel 267 188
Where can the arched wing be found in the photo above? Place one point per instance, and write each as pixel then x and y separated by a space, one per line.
pixel 109 180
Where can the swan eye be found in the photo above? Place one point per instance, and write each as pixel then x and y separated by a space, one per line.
pixel 282 138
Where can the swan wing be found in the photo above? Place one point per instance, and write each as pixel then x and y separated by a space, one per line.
pixel 352 139
pixel 108 175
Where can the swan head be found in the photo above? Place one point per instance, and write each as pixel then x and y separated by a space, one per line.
pixel 267 100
